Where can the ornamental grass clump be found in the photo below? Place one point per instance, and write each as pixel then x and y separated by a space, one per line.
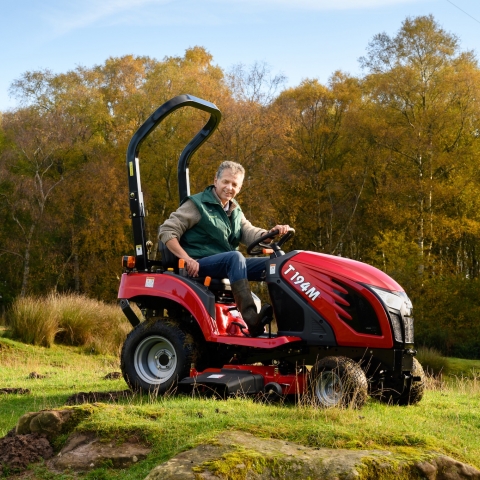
pixel 32 321
pixel 74 313
pixel 70 319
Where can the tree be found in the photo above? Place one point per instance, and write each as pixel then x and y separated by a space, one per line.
pixel 38 155
pixel 325 167
pixel 423 104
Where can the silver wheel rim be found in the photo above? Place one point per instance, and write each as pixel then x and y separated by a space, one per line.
pixel 155 360
pixel 329 389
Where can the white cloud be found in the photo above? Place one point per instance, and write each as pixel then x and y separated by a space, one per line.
pixel 67 17
pixel 64 17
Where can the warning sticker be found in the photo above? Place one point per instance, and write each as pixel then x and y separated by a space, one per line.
pixel 215 375
pixel 139 249
pixel 272 269
pixel 149 281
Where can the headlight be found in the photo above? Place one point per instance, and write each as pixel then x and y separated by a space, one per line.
pixel 390 299
pixel 408 302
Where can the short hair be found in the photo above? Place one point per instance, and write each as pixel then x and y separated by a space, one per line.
pixel 228 165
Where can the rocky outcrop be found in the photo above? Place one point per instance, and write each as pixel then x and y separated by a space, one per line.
pixel 81 451
pixel 84 452
pixel 244 456
pixel 51 423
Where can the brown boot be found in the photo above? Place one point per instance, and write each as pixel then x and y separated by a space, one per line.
pixel 246 306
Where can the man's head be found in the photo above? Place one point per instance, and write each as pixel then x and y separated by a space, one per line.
pixel 228 180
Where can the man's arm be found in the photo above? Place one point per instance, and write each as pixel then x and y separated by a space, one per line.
pixel 184 218
pixel 191 265
pixel 251 233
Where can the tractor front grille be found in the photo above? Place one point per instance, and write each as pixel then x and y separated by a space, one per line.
pixel 402 327
pixel 397 326
pixel 408 324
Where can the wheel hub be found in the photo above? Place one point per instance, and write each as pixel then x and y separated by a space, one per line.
pixel 155 360
pixel 164 359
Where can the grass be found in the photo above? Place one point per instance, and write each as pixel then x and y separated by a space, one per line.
pixel 68 319
pixel 447 419
pixel 433 362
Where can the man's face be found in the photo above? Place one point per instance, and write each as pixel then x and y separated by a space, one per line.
pixel 228 185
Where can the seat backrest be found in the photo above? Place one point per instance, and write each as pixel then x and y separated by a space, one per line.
pixel 169 260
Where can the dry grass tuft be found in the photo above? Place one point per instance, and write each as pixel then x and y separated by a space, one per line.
pixel 31 323
pixel 71 320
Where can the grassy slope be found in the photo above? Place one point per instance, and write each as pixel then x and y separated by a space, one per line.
pixel 447 419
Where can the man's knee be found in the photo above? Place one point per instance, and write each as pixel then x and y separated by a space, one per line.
pixel 236 258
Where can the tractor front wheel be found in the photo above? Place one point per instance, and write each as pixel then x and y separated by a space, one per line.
pixel 338 382
pixel 156 355
pixel 411 393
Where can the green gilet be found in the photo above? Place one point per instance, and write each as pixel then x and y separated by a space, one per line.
pixel 216 232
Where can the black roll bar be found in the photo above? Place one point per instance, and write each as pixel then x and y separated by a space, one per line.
pixel 137 206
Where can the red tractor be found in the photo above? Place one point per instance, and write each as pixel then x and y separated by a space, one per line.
pixel 344 328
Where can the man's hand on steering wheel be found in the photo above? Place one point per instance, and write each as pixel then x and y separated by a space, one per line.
pixel 265 241
pixel 282 230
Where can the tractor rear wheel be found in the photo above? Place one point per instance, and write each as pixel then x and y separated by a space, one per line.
pixel 338 382
pixel 155 355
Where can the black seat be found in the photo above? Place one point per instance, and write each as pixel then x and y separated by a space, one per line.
pixel 169 260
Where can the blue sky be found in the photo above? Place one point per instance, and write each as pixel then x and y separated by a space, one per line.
pixel 299 38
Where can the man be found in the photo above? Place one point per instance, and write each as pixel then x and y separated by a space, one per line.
pixel 206 231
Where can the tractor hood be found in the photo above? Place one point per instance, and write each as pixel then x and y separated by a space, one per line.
pixel 351 269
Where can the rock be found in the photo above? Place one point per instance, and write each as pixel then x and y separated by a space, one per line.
pixel 51 422
pixel 252 458
pixel 48 422
pixel 446 468
pixel 23 424
pixel 84 452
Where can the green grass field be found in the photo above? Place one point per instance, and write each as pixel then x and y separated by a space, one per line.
pixel 447 419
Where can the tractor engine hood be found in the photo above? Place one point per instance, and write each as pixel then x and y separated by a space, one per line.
pixel 351 269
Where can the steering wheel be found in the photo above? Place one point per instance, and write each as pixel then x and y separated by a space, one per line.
pixel 256 247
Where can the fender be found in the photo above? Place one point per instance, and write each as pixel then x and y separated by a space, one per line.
pixel 183 291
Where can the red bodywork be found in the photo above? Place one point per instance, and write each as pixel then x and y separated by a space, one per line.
pixel 313 276
pixel 320 271
pixel 171 287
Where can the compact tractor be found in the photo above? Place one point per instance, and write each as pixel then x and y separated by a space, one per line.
pixel 344 329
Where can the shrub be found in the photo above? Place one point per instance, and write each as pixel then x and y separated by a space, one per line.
pixel 432 361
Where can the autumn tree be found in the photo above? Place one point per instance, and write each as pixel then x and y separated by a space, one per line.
pixel 422 111
pixel 41 153
pixel 324 163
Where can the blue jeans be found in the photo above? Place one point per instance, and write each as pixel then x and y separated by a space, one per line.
pixel 232 265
